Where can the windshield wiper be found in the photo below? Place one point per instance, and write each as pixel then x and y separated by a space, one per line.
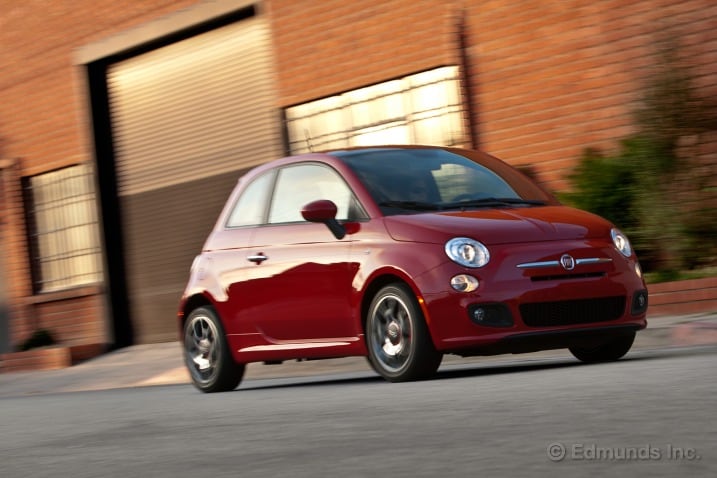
pixel 411 205
pixel 493 202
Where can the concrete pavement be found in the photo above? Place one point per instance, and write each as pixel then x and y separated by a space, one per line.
pixel 161 364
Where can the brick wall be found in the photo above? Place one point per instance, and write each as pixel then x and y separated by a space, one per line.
pixel 683 297
pixel 44 125
pixel 555 77
pixel 324 48
pixel 72 319
pixel 548 78
pixel 13 245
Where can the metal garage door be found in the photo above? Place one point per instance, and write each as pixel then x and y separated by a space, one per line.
pixel 187 118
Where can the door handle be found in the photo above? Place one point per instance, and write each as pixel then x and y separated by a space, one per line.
pixel 258 258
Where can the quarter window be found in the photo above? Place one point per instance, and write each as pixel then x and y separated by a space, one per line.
pixel 250 208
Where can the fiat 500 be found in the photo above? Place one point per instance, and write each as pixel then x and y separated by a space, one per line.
pixel 403 254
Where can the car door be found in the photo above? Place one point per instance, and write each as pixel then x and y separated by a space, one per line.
pixel 300 286
pixel 230 254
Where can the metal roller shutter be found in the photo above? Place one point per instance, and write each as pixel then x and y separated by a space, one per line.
pixel 187 119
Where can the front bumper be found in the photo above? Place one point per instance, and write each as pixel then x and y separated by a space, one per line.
pixel 525 342
pixel 522 309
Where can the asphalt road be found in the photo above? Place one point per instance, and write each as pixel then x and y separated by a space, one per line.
pixel 652 414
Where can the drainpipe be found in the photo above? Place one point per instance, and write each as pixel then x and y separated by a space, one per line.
pixel 5 345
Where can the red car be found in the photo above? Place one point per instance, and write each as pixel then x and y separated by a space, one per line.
pixel 403 254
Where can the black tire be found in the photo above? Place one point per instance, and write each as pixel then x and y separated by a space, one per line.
pixel 609 351
pixel 397 337
pixel 207 355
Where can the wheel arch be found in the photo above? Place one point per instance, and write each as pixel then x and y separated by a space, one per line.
pixel 191 303
pixel 377 282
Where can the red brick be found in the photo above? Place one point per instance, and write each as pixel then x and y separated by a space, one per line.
pixel 48 358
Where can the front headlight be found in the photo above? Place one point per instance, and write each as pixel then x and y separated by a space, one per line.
pixel 467 252
pixel 621 242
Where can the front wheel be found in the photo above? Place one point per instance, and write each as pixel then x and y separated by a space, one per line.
pixel 207 355
pixel 399 343
pixel 609 351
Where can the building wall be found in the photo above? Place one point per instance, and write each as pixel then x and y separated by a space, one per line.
pixel 546 79
pixel 555 77
pixel 328 47
pixel 44 125
pixel 13 245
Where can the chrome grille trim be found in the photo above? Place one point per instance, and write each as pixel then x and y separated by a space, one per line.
pixel 538 265
pixel 579 262
pixel 593 260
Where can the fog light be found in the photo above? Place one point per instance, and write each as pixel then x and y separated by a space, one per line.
pixel 639 302
pixel 464 283
pixel 479 314
pixel 490 315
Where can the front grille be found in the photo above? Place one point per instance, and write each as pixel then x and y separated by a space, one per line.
pixel 585 275
pixel 570 312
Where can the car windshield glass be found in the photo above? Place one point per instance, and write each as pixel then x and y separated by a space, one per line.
pixel 417 180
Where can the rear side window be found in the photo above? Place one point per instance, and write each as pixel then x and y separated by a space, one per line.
pixel 250 208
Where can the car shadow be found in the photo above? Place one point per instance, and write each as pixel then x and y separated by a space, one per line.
pixel 448 372
pixel 481 370
pixel 467 370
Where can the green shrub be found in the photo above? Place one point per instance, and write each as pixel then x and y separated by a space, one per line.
pixel 657 187
pixel 604 185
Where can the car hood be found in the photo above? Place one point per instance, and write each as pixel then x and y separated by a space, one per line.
pixel 499 226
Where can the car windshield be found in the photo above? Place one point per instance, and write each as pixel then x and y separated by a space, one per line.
pixel 409 180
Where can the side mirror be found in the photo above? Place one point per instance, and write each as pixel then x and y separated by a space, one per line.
pixel 324 211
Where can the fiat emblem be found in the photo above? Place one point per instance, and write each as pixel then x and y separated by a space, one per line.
pixel 567 261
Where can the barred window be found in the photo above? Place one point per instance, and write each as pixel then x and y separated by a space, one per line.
pixel 63 229
pixel 424 108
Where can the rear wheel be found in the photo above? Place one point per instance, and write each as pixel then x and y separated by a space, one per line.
pixel 609 351
pixel 399 343
pixel 207 355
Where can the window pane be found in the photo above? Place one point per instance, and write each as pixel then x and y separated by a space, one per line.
pixel 249 209
pixel 421 108
pixel 454 180
pixel 299 185
pixel 64 231
pixel 394 134
pixel 434 177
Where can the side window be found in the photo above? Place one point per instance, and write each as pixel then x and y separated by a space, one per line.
pixel 251 205
pixel 301 184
